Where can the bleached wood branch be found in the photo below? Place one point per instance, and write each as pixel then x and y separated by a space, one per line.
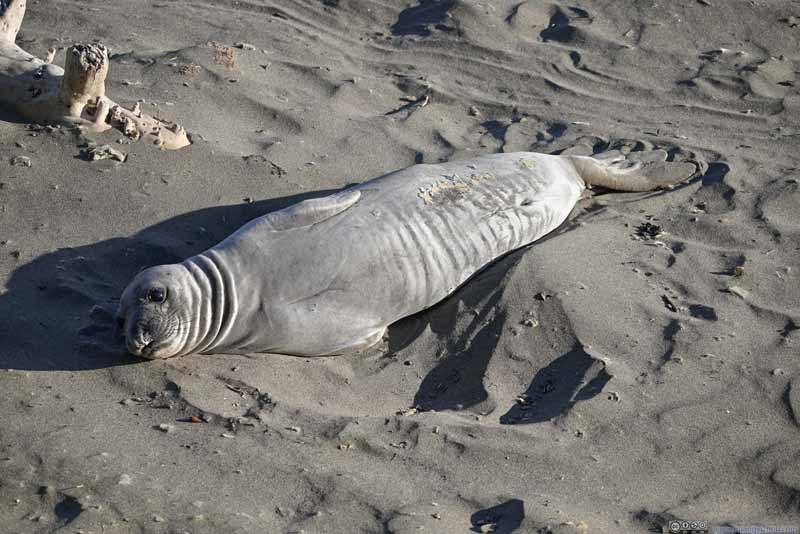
pixel 43 92
pixel 11 14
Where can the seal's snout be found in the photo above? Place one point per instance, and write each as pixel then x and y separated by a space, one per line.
pixel 139 342
pixel 151 310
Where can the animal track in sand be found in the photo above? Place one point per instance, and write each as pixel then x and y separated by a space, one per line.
pixel 745 79
pixel 778 205
pixel 424 18
pixel 562 26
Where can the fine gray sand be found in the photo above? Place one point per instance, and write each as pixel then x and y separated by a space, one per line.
pixel 639 365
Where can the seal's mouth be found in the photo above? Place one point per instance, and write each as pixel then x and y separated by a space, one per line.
pixel 145 350
pixel 153 336
pixel 140 346
pixel 144 344
pixel 148 350
pixel 138 339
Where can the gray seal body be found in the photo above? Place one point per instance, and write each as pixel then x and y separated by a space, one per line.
pixel 327 276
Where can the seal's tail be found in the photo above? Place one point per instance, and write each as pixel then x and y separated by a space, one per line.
pixel 650 171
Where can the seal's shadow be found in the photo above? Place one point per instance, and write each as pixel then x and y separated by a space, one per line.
pixel 572 377
pixel 58 310
pixel 456 381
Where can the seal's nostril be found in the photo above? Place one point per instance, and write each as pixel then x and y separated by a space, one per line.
pixel 140 349
pixel 138 340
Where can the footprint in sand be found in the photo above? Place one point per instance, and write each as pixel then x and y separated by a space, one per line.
pixel 562 27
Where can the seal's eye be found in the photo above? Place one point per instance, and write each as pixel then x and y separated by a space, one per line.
pixel 156 294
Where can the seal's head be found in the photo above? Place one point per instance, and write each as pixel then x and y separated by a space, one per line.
pixel 156 312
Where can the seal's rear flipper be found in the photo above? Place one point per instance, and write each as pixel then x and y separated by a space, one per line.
pixel 643 171
pixel 311 211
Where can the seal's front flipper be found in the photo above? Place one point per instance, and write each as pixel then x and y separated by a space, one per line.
pixel 311 211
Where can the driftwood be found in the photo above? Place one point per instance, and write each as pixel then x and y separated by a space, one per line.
pixel 45 93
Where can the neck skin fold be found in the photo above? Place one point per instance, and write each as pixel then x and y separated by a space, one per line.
pixel 214 302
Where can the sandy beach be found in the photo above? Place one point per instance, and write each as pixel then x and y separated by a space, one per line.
pixel 637 366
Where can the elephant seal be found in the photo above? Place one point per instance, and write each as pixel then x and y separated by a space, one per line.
pixel 328 275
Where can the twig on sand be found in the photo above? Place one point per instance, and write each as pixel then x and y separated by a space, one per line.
pixel 411 106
